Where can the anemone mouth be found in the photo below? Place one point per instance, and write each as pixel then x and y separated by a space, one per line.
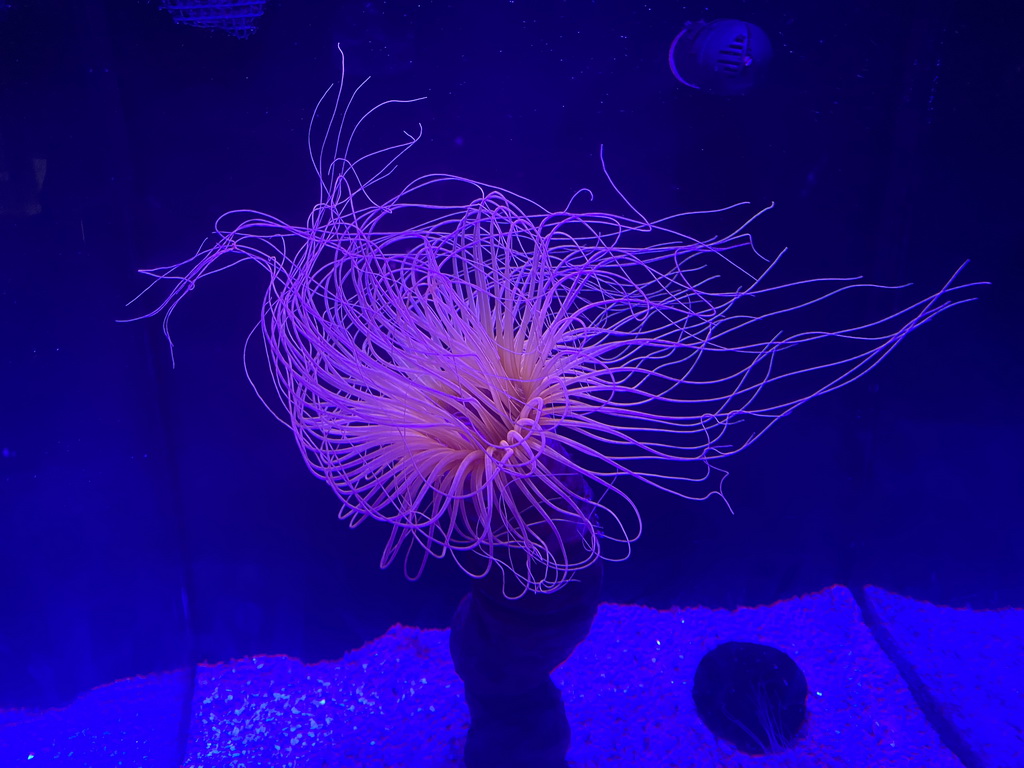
pixel 484 374
pixel 477 367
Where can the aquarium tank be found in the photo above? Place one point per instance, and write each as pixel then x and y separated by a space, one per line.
pixel 485 385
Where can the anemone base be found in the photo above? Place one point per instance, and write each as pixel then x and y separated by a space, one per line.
pixel 505 651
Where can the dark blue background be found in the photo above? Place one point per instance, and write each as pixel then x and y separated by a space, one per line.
pixel 150 518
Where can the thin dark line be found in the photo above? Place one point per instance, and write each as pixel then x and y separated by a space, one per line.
pixel 948 734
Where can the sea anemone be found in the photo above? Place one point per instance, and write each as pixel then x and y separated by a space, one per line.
pixel 481 373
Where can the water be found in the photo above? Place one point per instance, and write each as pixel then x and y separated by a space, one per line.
pixel 157 518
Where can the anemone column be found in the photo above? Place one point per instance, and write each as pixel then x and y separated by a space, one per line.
pixel 505 651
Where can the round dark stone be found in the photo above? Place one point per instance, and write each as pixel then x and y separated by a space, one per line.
pixel 752 695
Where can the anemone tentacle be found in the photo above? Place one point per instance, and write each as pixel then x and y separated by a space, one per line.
pixel 456 369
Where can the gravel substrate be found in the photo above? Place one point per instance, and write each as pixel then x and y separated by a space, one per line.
pixel 398 702
pixel 972 665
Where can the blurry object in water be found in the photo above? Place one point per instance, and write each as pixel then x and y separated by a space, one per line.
pixel 236 17
pixel 724 56
pixel 21 181
pixel 752 695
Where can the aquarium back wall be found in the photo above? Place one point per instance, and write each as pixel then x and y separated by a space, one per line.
pixel 154 516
